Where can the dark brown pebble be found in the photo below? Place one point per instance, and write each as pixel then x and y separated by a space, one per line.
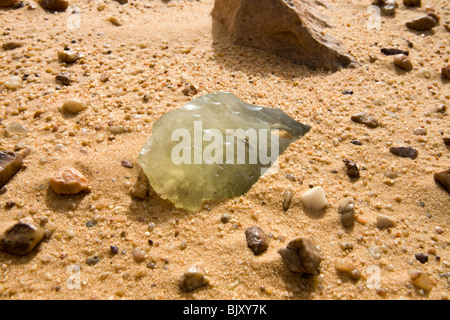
pixel 352 168
pixel 404 152
pixel 122 1
pixel 10 163
pixel 394 51
pixel 54 5
pixel 365 118
pixel 446 71
pixel 421 257
pixel 422 23
pixel 412 3
pixel 301 256
pixel 127 164
pixel 443 177
pixel 356 142
pixel 114 249
pixel 190 90
pixel 257 240
pixel 9 204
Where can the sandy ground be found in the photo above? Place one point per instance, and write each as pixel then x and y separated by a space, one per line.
pixel 161 47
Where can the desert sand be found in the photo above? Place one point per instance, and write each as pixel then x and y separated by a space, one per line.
pixel 156 51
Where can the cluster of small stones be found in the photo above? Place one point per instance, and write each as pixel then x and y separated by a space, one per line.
pixel 27 236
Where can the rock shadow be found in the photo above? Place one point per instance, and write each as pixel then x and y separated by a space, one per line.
pixel 252 61
pixel 315 214
pixel 63 202
pixel 19 260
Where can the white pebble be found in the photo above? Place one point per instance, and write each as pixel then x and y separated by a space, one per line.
pixel 315 198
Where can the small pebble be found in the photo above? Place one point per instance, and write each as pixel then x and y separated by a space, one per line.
pixel 91 223
pixel 443 177
pixel 68 56
pixel 287 198
pixel 72 105
pixel 11 45
pixel 422 23
pixel 301 256
pixel 446 71
pixel 15 129
pixel 404 152
pixel 365 118
pixel 225 217
pixel 54 5
pixel 346 209
pixel 439 230
pixel 127 164
pixel 412 3
pixel 352 169
pixel 347 266
pixel 257 240
pixel 92 261
pixel 189 90
pixel 384 221
pixel 315 199
pixel 421 257
pixel 104 77
pixel 290 177
pixel 402 61
pixel 393 51
pixel 356 142
pixel 21 238
pixel 114 249
pixel 13 83
pixel 347 92
pixel 64 77
pixel 420 131
pixel 420 279
pixel 139 190
pixel 115 21
pixel 138 254
pixel 193 278
pixel 10 164
pixel 68 181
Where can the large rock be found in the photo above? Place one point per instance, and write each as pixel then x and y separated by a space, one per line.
pixel 292 29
